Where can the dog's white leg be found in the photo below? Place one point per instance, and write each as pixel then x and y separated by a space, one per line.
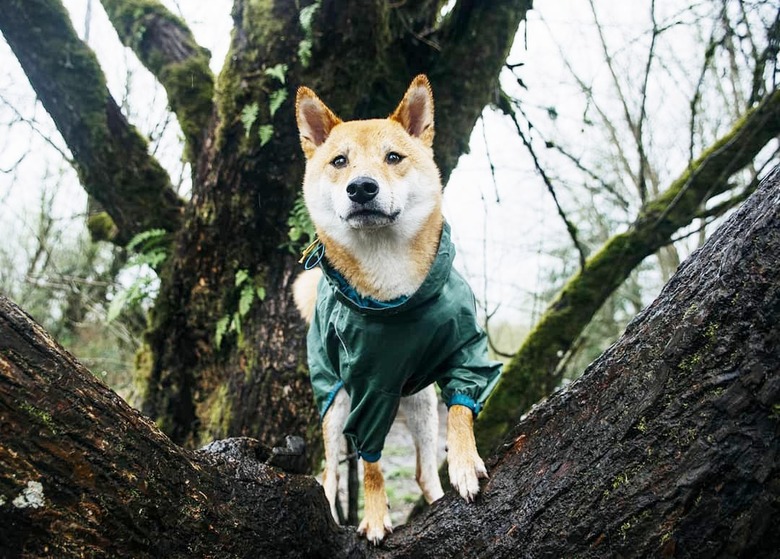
pixel 465 465
pixel 332 427
pixel 422 419
pixel 376 520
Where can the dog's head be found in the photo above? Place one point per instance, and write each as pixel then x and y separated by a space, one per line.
pixel 367 175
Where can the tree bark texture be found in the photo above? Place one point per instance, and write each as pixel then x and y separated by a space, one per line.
pixel 667 446
pixel 534 370
pixel 84 475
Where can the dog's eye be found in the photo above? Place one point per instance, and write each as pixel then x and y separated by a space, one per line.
pixel 339 162
pixel 393 158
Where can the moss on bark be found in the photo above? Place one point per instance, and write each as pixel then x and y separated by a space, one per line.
pixel 165 45
pixel 111 157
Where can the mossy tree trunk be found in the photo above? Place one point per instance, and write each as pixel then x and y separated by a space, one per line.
pixel 666 447
pixel 535 369
pixel 224 351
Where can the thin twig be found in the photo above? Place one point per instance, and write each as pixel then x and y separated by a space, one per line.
pixel 505 104
pixel 643 109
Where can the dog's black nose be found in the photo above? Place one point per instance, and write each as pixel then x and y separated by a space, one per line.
pixel 362 190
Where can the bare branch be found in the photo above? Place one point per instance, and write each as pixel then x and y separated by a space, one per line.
pixel 531 374
pixel 605 186
pixel 642 110
pixel 505 104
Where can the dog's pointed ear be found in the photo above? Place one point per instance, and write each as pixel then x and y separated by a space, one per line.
pixel 315 120
pixel 415 111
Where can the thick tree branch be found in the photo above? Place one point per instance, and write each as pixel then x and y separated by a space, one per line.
pixel 109 483
pixel 623 461
pixel 535 369
pixel 667 446
pixel 110 155
pixel 165 45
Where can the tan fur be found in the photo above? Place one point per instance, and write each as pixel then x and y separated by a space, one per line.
pixel 376 521
pixel 314 129
pixel 305 293
pixel 408 111
pixel 462 456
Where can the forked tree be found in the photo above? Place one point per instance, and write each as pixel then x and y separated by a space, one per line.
pixel 223 354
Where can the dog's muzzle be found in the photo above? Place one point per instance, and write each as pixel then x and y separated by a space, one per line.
pixel 365 212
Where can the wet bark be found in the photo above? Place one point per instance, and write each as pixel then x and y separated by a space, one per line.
pixel 84 475
pixel 667 446
pixel 166 46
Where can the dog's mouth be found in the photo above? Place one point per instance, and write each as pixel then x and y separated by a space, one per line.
pixel 370 219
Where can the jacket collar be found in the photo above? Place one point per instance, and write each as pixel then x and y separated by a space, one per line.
pixel 430 288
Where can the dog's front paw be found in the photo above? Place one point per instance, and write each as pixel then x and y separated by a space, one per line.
pixel 375 527
pixel 465 472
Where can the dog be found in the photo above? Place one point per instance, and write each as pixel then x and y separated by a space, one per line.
pixel 388 315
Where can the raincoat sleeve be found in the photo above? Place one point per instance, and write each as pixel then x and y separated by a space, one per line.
pixel 470 376
pixel 325 380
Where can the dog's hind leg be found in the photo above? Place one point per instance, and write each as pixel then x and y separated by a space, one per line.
pixel 332 427
pixel 422 419
pixel 376 520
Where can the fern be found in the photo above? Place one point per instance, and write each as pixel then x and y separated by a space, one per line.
pixel 249 116
pixel 266 132
pixel 245 300
pixel 249 292
pixel 146 240
pixel 150 253
pixel 279 72
pixel 301 229
pixel 306 19
pixel 221 330
pixel 275 100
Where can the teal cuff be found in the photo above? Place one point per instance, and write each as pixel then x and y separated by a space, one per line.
pixel 330 398
pixel 463 400
pixel 370 456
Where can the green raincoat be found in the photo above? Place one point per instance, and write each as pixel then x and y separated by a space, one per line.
pixel 380 351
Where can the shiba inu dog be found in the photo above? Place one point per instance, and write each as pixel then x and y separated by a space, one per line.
pixel 388 316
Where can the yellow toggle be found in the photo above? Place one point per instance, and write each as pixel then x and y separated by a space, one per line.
pixel 309 249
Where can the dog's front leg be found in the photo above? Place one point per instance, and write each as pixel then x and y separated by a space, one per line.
pixel 376 520
pixel 465 465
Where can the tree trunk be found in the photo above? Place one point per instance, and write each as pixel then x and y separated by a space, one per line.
pixel 667 446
